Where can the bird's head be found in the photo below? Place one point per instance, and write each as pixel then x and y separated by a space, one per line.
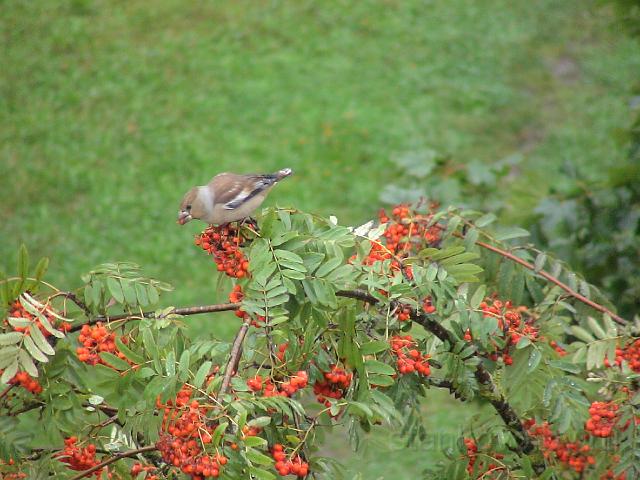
pixel 186 214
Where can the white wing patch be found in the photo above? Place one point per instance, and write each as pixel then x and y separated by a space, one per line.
pixel 243 195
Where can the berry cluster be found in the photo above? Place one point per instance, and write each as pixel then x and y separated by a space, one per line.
pixel 630 354
pixel 409 359
pixel 561 351
pixel 17 310
pixel 511 324
pixel 78 458
pixel 236 296
pixel 482 470
pixel 187 433
pixel 148 470
pixel 403 313
pixel 10 475
pixel 603 419
pixel 285 389
pixel 281 351
pixel 575 455
pixel 333 385
pixel 27 382
pixel 427 306
pixel 407 228
pixel 97 339
pixel 286 466
pixel 223 242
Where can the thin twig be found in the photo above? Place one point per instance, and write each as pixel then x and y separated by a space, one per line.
pixel 221 307
pixel 234 356
pixel 74 298
pixel 115 458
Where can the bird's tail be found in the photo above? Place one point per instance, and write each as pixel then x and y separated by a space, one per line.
pixel 280 174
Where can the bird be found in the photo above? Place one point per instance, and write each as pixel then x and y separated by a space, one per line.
pixel 228 197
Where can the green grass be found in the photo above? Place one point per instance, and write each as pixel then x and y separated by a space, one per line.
pixel 109 111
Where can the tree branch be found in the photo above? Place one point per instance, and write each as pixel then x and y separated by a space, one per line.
pixel 185 311
pixel 506 412
pixel 115 458
pixel 234 356
pixel 554 280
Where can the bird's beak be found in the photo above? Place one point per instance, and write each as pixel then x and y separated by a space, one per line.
pixel 184 217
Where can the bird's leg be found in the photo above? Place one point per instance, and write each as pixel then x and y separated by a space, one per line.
pixel 252 222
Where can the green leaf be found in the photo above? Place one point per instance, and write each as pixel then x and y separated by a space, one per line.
pixel 10 338
pixel 596 328
pixel 374 347
pixel 381 380
pixel 254 441
pixel 261 474
pixel 183 365
pixel 170 363
pixel 540 261
pixel 33 350
pixel 127 352
pixel 23 262
pixel 27 363
pixel 287 255
pixel 328 266
pixel 295 275
pixel 114 361
pixel 152 294
pixel 9 372
pixel 41 268
pixel 115 289
pixel 478 296
pixel 259 422
pixel 218 433
pixel 40 341
pixel 582 334
pixel 534 359
pixel 508 233
pixel 485 220
pixel 360 409
pixel 256 457
pixel 201 374
pixel 129 292
pixel 374 366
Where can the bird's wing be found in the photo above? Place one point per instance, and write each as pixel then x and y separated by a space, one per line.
pixel 234 190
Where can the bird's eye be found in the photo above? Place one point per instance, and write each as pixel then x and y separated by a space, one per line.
pixel 188 207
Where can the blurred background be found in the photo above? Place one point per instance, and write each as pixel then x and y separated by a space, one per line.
pixel 110 111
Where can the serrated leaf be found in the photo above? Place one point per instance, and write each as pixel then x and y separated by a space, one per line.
pixel 293 274
pixel 254 441
pixel 10 338
pixel 40 341
pixel 374 347
pixel 114 361
pixel 478 296
pixel 27 363
pixel 115 289
pixel 256 457
pixel 582 334
pixel 9 372
pixel 596 328
pixel 259 422
pixel 127 352
pixel 485 220
pixel 541 259
pixel 534 359
pixel 375 366
pixel 33 350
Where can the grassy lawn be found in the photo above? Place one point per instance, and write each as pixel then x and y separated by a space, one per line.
pixel 109 111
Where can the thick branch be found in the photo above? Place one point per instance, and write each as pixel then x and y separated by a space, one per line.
pixel 115 458
pixel 234 356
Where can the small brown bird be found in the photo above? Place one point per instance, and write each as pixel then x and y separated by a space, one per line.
pixel 228 197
